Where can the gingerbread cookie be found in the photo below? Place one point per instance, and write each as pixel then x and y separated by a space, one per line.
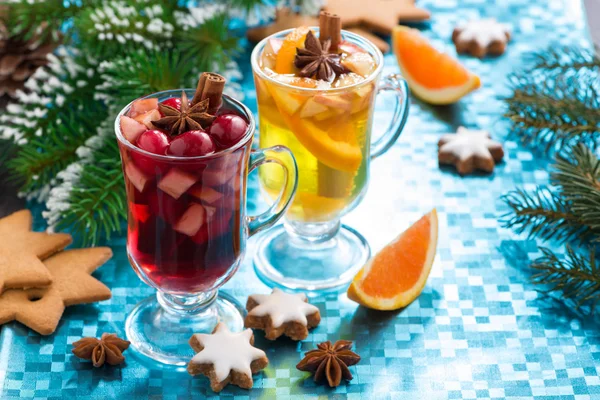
pixel 21 251
pixel 481 37
pixel 284 19
pixel 41 309
pixel 226 357
pixel 469 150
pixel 380 16
pixel 281 313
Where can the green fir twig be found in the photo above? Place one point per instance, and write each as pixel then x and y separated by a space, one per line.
pixel 576 276
pixel 542 213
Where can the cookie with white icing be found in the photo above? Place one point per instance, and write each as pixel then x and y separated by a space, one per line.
pixel 281 313
pixel 481 37
pixel 226 357
pixel 469 150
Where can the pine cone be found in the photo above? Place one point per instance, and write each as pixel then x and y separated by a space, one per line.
pixel 19 58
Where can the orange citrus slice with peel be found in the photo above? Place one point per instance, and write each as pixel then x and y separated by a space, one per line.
pixel 433 76
pixel 398 273
pixel 284 63
pixel 337 155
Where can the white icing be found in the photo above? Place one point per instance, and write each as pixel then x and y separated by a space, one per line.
pixel 466 143
pixel 283 307
pixel 483 31
pixel 227 351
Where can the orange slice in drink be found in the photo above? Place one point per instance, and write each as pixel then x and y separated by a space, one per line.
pixel 284 64
pixel 397 274
pixel 433 76
pixel 340 155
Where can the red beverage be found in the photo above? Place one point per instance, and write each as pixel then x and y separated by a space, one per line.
pixel 186 155
pixel 185 198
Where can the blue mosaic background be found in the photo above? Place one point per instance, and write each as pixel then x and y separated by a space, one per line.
pixel 479 330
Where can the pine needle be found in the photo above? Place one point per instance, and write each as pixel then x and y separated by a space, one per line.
pixel 575 276
pixel 542 213
pixel 555 103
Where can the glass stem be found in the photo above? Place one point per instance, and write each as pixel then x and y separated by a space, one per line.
pixel 186 305
pixel 309 234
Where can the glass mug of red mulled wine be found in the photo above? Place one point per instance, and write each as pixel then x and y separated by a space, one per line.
pixel 187 222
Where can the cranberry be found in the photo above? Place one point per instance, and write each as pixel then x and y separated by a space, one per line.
pixel 191 144
pixel 228 129
pixel 153 141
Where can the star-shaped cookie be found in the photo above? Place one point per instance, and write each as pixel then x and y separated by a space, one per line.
pixel 41 309
pixel 226 357
pixel 381 16
pixel 284 19
pixel 481 37
pixel 21 251
pixel 281 313
pixel 469 150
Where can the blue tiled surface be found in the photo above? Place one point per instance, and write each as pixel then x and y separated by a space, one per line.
pixel 479 330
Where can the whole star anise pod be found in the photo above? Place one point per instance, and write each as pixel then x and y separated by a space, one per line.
pixel 188 118
pixel 315 59
pixel 330 361
pixel 109 348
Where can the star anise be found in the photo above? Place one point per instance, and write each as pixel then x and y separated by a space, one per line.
pixel 315 59
pixel 187 119
pixel 109 348
pixel 330 361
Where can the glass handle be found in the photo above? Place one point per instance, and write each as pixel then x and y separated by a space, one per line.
pixel 282 156
pixel 398 85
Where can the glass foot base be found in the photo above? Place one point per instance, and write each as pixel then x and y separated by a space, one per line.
pixel 288 261
pixel 163 335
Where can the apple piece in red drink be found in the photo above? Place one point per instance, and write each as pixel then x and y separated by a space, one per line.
pixel 137 177
pixel 192 220
pixel 215 178
pixel 216 226
pixel 228 129
pixel 147 118
pixel 166 207
pixel 205 194
pixel 191 144
pixel 139 212
pixel 176 182
pixel 131 129
pixel 143 106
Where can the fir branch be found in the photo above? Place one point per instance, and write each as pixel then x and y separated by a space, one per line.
pixel 38 160
pixel 576 277
pixel 41 18
pixel 542 213
pixel 555 111
pixel 578 177
pixel 210 42
pixel 123 26
pixel 90 198
pixel 564 59
pixel 554 103
pixel 52 119
pixel 141 73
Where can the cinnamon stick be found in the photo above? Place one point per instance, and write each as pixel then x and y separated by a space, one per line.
pixel 210 86
pixel 330 27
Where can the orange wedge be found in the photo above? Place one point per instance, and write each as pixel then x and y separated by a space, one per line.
pixel 395 277
pixel 433 76
pixel 284 63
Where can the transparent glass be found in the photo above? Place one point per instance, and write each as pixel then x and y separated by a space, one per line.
pixel 329 131
pixel 187 232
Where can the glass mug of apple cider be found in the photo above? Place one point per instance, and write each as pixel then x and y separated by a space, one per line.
pixel 186 156
pixel 316 90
